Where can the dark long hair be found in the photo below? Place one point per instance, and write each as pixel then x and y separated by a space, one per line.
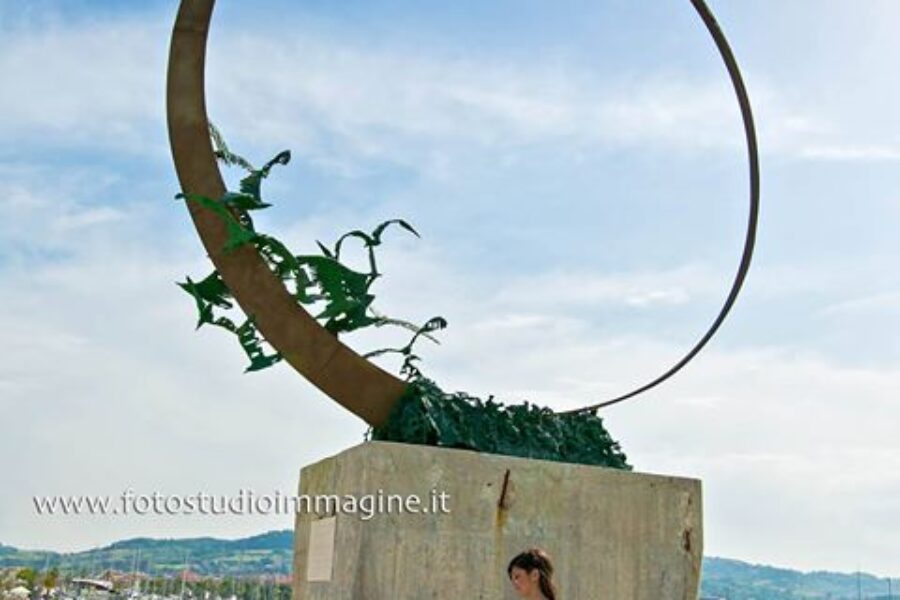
pixel 535 558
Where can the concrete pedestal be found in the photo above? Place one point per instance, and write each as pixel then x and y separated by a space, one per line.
pixel 613 535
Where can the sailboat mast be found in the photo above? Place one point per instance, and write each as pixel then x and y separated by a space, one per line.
pixel 184 574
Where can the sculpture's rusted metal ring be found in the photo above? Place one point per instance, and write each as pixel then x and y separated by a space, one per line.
pixel 355 383
pixel 750 240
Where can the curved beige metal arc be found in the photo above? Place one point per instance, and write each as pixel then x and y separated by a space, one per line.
pixel 353 382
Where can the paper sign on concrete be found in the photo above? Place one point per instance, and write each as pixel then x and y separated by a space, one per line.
pixel 321 549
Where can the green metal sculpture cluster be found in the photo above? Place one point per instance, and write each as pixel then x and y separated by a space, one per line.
pixel 428 415
pixel 424 414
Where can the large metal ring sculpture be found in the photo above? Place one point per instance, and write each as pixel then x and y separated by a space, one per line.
pixel 352 381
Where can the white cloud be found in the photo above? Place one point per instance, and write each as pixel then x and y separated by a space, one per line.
pixel 399 107
pixel 91 84
pixel 392 105
pixel 342 105
pixel 886 301
pixel 87 218
pixel 51 208
pixel 851 152
pixel 590 289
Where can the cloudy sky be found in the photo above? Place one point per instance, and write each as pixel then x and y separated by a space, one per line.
pixel 578 175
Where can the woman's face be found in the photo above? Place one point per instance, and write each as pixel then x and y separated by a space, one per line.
pixel 525 583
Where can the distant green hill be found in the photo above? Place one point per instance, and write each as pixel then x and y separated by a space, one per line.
pixel 271 553
pixel 736 580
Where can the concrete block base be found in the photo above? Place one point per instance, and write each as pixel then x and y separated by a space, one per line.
pixel 613 535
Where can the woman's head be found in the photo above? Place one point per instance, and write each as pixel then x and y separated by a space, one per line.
pixel 531 574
